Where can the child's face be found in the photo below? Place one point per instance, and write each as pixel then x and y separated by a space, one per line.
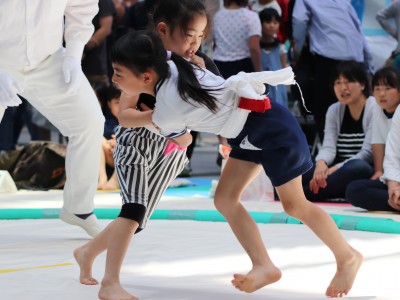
pixel 348 92
pixel 185 44
pixel 113 105
pixel 387 97
pixel 127 81
pixel 270 29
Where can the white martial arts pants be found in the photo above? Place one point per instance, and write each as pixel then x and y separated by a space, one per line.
pixel 78 116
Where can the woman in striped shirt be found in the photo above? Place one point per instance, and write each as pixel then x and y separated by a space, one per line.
pixel 346 153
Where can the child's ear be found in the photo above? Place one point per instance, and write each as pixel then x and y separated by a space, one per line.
pixel 147 77
pixel 162 28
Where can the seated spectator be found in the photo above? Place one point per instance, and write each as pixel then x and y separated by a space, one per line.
pixel 109 101
pixel 372 194
pixel 346 153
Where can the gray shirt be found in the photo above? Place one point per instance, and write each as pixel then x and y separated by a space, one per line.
pixel 389 18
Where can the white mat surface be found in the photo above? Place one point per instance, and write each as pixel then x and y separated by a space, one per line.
pixel 185 260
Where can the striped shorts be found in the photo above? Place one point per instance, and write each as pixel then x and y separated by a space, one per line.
pixel 143 171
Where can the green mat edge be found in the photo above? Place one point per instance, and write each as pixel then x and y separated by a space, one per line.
pixel 345 222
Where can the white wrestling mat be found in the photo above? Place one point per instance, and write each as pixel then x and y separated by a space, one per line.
pixel 184 259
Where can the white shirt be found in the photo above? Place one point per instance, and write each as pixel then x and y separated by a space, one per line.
pixel 391 162
pixel 257 7
pixel 173 115
pixel 381 126
pixel 232 29
pixel 32 30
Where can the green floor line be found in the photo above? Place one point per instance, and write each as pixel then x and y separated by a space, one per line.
pixel 345 222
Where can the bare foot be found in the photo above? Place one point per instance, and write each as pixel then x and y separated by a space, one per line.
pixel 101 184
pixel 114 292
pixel 258 277
pixel 345 275
pixel 85 266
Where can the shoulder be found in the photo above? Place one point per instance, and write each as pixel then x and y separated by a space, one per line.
pixel 371 104
pixel 336 107
pixel 210 65
pixel 106 7
pixel 173 69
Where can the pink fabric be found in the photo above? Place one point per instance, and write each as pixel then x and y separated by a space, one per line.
pixel 171 147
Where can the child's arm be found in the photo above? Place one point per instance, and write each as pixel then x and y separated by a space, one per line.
pixel 378 152
pixel 255 52
pixel 129 116
pixel 283 56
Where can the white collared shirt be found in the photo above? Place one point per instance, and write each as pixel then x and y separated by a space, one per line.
pixel 32 30
pixel 391 161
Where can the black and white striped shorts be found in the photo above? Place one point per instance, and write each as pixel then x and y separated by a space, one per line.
pixel 143 171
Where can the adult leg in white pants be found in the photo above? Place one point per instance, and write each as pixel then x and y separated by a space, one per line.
pixel 78 116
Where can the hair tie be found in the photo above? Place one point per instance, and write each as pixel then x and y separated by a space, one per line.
pixel 169 53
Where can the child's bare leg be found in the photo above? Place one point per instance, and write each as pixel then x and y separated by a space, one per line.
pixel 112 183
pixel 348 260
pixel 120 237
pixel 102 171
pixel 235 177
pixel 86 254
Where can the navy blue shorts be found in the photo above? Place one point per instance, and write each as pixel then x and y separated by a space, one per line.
pixel 275 140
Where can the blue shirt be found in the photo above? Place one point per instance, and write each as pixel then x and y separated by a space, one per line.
pixel 333 28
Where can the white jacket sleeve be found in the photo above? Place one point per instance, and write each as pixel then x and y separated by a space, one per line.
pixel 328 150
pixel 78 25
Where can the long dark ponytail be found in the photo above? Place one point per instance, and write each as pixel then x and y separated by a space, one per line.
pixel 141 51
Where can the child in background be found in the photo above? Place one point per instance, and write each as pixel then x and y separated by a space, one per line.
pixel 372 194
pixel 273 53
pixel 189 97
pixel 145 160
pixel 109 101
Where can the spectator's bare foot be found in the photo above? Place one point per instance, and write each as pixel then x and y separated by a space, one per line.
pixel 114 292
pixel 110 185
pixel 345 274
pixel 85 266
pixel 258 277
pixel 102 182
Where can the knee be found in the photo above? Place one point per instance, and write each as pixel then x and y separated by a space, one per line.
pixel 358 167
pixel 221 202
pixel 353 191
pixel 294 208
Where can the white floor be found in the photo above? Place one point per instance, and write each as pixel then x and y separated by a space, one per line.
pixel 180 260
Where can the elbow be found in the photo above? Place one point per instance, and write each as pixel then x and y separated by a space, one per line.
pixel 123 122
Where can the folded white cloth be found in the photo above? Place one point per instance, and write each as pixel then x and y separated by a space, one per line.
pixel 251 85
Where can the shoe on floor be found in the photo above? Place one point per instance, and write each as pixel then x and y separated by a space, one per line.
pixel 90 224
